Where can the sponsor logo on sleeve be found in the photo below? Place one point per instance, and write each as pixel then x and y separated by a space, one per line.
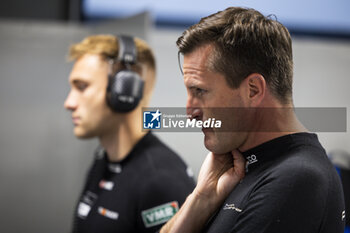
pixel 83 210
pixel 108 213
pixel 159 214
pixel 107 185
pixel 84 207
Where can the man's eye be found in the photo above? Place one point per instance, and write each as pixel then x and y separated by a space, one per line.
pixel 81 86
pixel 198 91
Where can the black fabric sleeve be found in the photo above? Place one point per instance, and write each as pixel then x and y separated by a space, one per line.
pixel 162 189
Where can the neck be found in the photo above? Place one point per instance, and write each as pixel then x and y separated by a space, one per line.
pixel 273 123
pixel 120 140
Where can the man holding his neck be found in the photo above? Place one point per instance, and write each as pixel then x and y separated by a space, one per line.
pixel 136 183
pixel 241 62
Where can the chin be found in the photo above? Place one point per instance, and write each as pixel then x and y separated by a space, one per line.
pixel 217 150
pixel 211 144
pixel 82 134
pixel 218 144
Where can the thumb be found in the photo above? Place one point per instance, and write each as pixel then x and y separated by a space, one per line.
pixel 239 163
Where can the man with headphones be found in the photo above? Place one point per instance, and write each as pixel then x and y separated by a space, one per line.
pixel 136 183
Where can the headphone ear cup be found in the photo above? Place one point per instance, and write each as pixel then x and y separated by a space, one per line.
pixel 124 91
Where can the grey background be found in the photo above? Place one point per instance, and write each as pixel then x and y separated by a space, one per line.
pixel 42 164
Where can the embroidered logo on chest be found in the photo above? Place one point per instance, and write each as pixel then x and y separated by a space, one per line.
pixel 252 159
pixel 231 207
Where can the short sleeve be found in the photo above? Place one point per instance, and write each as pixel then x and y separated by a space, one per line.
pixel 160 197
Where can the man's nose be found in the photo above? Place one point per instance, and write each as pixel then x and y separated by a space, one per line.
pixel 71 102
pixel 193 109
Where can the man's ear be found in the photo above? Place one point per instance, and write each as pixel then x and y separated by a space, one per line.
pixel 255 89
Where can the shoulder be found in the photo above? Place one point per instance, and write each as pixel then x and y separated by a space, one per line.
pixel 157 156
pixel 299 184
pixel 305 164
pixel 304 174
pixel 159 168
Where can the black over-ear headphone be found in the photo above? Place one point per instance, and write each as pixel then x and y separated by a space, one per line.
pixel 125 88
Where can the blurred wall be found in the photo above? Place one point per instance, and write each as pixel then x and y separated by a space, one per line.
pixel 42 164
pixel 321 79
pixel 41 9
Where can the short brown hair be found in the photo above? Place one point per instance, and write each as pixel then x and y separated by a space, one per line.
pixel 245 42
pixel 107 46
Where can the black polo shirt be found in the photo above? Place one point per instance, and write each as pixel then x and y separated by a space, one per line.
pixel 290 187
pixel 137 194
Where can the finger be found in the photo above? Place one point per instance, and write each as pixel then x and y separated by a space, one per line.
pixel 238 157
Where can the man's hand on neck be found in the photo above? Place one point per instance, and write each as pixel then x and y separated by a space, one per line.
pixel 218 176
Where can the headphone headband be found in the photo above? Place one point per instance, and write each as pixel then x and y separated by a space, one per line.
pixel 125 87
pixel 127 50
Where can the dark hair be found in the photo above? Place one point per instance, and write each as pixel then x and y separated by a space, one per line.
pixel 245 42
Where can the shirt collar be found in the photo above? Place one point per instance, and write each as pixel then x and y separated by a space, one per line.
pixel 275 148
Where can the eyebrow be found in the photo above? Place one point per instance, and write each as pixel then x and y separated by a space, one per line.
pixel 76 80
pixel 193 83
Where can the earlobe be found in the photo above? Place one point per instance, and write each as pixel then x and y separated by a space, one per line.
pixel 256 89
